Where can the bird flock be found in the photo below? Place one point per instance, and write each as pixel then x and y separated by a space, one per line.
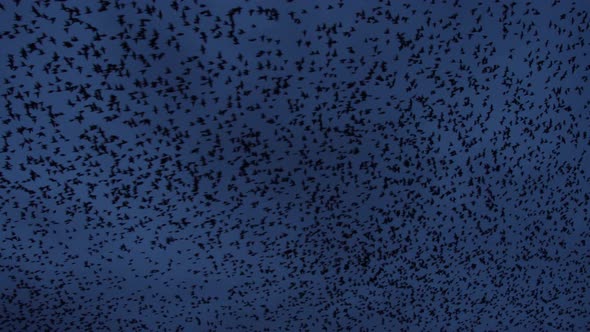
pixel 294 165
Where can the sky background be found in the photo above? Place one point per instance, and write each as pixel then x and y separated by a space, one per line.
pixel 357 165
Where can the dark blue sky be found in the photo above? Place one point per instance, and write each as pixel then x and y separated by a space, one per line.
pixel 321 166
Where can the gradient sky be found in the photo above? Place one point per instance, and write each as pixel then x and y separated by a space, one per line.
pixel 361 194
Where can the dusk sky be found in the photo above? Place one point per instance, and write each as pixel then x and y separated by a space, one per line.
pixel 294 166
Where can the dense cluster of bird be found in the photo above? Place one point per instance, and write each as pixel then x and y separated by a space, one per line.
pixel 294 166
